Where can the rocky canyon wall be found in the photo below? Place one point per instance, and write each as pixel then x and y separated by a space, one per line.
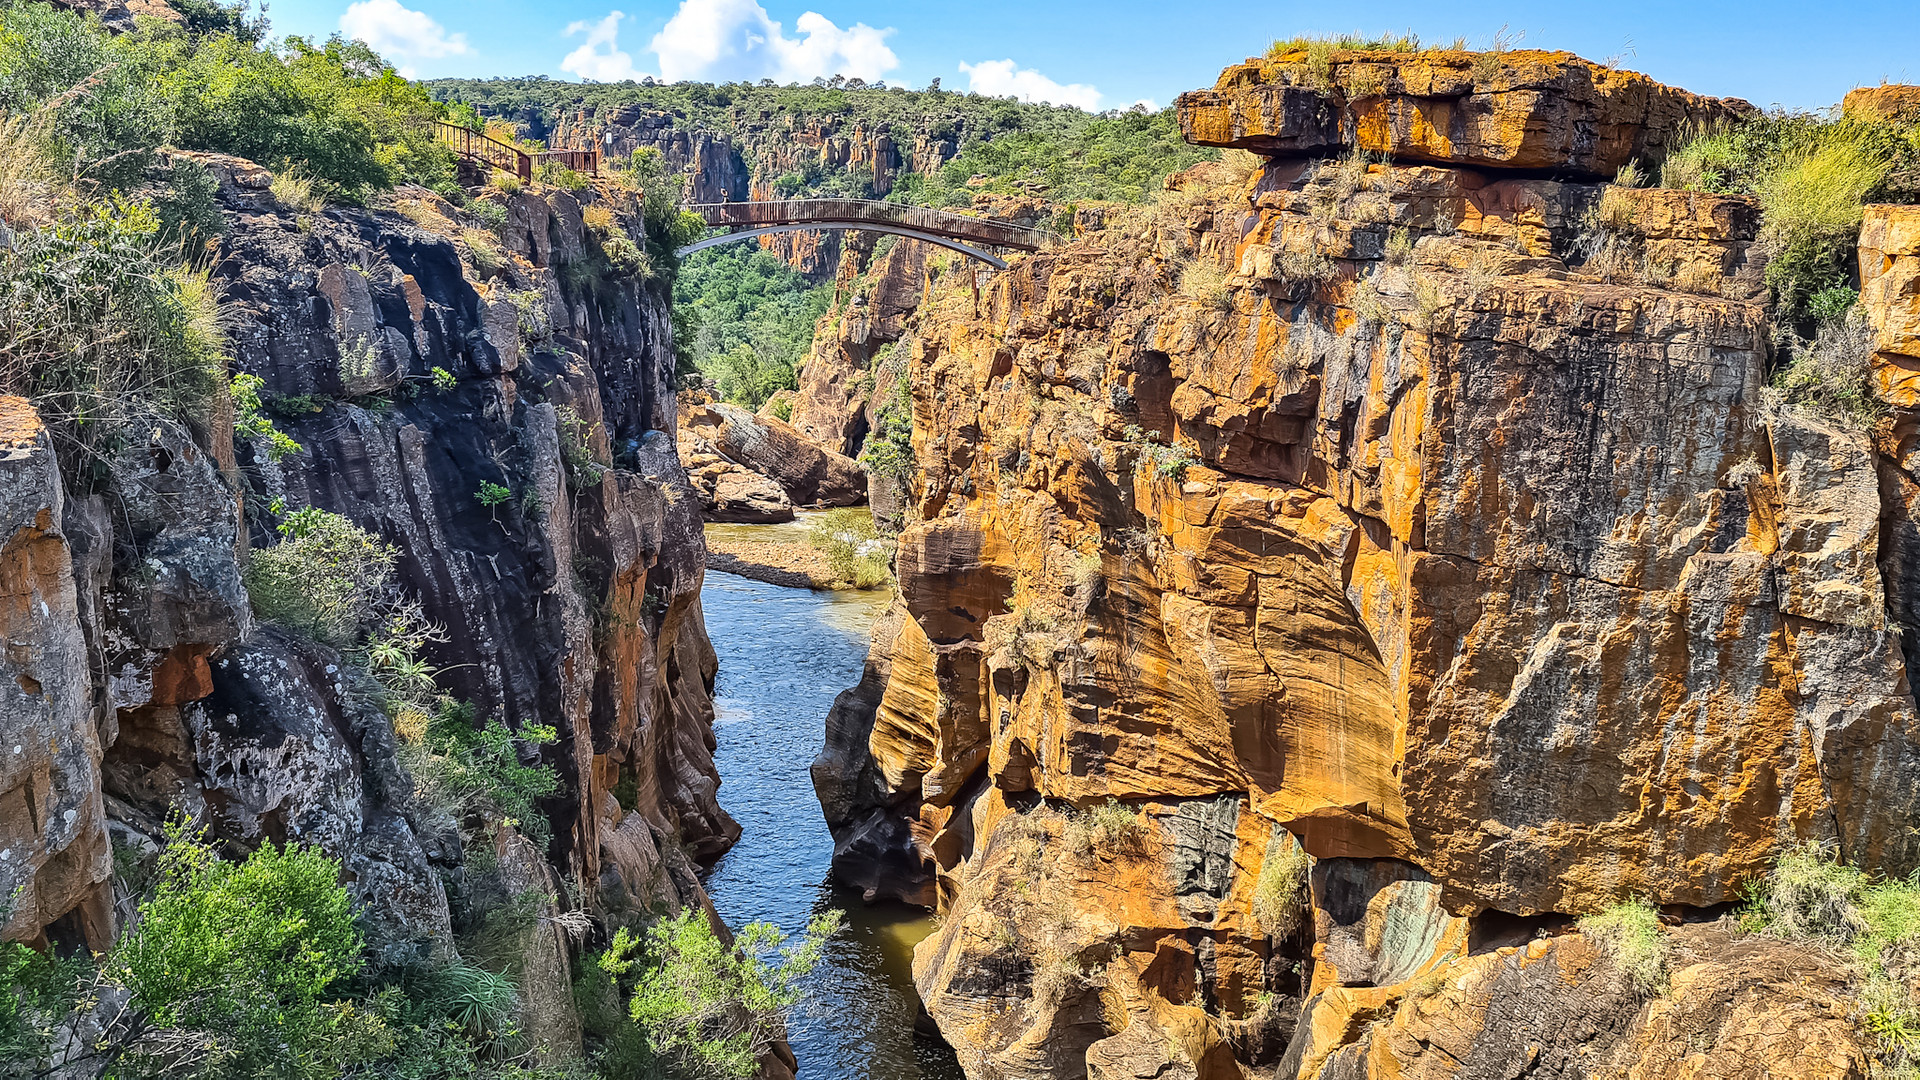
pixel 1322 587
pixel 416 360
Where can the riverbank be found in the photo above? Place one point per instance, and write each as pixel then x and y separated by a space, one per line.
pixel 774 554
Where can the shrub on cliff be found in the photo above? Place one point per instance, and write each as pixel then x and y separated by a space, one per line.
pixel 706 1009
pixel 1810 895
pixel 231 965
pixel 1629 932
pixel 102 330
pixel 1280 899
pixel 327 578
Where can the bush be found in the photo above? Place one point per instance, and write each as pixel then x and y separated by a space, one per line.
pixel 103 332
pixel 1280 894
pixel 245 953
pixel 1630 933
pixel 1208 283
pixel 463 768
pixel 1110 825
pixel 327 578
pixel 1811 896
pixel 854 550
pixel 1831 377
pixel 705 1009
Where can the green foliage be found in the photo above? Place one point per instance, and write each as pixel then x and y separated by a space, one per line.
pixel 782 409
pixel 888 451
pixel 1121 157
pixel 186 202
pixel 327 578
pixel 207 83
pixel 1811 895
pixel 250 420
pixel 745 320
pixel 584 470
pixel 102 331
pixel 854 550
pixel 1811 174
pixel 493 496
pixel 36 991
pixel 1630 933
pixel 466 768
pixel 247 953
pixel 704 1009
pixel 1280 894
pixel 443 380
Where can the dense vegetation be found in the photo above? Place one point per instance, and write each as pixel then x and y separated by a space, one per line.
pixel 745 320
pixel 1811 175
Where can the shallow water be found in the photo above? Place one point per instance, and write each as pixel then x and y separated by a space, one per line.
pixel 784 655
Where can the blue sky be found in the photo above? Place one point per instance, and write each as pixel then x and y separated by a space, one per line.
pixel 1111 54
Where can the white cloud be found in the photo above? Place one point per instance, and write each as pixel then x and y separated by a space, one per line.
pixel 999 78
pixel 599 58
pixel 728 40
pixel 400 33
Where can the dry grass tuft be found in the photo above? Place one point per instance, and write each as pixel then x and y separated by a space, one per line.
pixel 296 191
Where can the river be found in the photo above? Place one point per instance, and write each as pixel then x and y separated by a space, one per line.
pixel 784 655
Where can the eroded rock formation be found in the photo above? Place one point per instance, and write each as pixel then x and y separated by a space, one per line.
pixel 1427 517
pixel 402 364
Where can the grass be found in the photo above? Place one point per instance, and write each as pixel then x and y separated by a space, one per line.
pixel 1207 283
pixel 1111 825
pixel 598 218
pixel 1629 932
pixel 1280 895
pixel 505 182
pixel 1811 896
pixel 1831 376
pixel 297 191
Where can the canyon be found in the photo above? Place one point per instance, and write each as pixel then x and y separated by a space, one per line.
pixel 1324 591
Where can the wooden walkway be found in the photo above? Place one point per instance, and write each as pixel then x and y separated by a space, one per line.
pixel 493 153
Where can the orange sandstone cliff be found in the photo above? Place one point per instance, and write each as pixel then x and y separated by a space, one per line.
pixel 1422 523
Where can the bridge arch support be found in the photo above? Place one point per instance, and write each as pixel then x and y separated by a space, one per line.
pixel 841 226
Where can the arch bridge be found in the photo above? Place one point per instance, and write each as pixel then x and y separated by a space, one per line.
pixel 970 236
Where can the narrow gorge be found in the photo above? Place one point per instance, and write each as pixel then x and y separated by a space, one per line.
pixel 1413 579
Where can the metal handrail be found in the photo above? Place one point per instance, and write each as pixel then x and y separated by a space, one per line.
pixel 487 150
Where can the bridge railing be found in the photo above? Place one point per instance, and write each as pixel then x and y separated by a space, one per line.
pixel 485 149
pixel 586 161
pixel 507 157
pixel 842 211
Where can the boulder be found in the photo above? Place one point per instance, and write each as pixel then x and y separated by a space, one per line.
pixel 1525 109
pixel 729 491
pixel 1888 101
pixel 810 474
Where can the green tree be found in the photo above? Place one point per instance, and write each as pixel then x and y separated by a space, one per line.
pixel 707 1009
pixel 327 577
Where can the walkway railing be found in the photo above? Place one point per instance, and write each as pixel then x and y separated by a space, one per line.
pixel 494 153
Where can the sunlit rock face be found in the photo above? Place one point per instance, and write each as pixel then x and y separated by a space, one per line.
pixel 1427 517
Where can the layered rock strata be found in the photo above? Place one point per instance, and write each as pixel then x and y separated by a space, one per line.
pixel 405 365
pixel 1420 522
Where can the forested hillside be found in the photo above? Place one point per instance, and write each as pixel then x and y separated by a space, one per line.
pixel 747 325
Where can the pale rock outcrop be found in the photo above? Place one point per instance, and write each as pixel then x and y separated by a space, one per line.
pixel 1528 110
pixel 810 475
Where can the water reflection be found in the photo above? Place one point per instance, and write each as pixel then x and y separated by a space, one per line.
pixel 784 655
